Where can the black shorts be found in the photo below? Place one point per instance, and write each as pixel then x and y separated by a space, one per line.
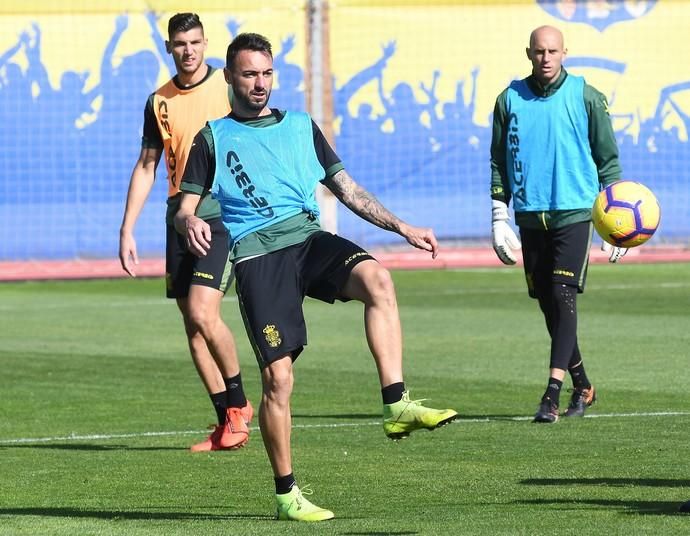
pixel 183 269
pixel 556 256
pixel 271 289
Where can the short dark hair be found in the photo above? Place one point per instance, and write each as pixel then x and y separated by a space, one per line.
pixel 183 22
pixel 247 41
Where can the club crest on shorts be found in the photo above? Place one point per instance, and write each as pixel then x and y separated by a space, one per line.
pixel 272 335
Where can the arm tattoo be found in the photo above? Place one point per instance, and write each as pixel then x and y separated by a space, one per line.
pixel 362 202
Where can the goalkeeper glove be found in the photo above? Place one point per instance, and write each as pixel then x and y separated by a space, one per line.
pixel 615 253
pixel 504 238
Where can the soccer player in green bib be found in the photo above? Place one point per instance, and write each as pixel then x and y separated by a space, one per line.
pixel 263 165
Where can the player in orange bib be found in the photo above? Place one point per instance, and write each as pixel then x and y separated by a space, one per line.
pixel 173 115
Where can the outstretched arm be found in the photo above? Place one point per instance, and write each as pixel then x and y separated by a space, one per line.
pixel 431 93
pixel 352 86
pixel 36 70
pixel 233 26
pixel 286 45
pixel 90 95
pixel 152 17
pixel 367 207
pixel 473 97
pixel 23 40
pixel 121 23
pixel 384 100
pixel 685 117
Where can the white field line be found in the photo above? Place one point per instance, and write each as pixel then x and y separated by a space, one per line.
pixel 461 420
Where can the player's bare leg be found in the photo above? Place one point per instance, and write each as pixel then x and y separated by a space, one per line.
pixel 275 419
pixel 214 354
pixel 205 364
pixel 372 284
pixel 204 315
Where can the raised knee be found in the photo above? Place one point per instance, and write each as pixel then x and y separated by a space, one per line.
pixel 380 284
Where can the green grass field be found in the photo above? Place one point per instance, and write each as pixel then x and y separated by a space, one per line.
pixel 99 402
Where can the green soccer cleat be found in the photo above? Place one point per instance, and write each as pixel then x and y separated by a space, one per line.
pixel 294 506
pixel 405 416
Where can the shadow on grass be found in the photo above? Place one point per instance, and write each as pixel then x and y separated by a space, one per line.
pixel 134 515
pixel 625 507
pixel 86 447
pixel 613 482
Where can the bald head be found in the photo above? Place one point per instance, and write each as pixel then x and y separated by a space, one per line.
pixel 544 32
pixel 546 52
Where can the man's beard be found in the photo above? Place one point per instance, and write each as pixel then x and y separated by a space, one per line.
pixel 254 106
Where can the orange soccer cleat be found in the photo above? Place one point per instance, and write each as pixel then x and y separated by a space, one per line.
pixel 232 435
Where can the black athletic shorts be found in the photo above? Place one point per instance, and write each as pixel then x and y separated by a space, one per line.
pixel 183 269
pixel 271 289
pixel 556 256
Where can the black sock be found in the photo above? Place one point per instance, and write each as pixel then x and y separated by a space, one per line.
pixel 553 391
pixel 220 405
pixel 284 483
pixel 579 376
pixel 393 393
pixel 236 398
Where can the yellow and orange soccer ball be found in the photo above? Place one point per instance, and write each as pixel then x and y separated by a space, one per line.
pixel 626 214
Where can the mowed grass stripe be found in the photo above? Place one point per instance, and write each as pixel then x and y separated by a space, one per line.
pixel 60 303
pixel 460 420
